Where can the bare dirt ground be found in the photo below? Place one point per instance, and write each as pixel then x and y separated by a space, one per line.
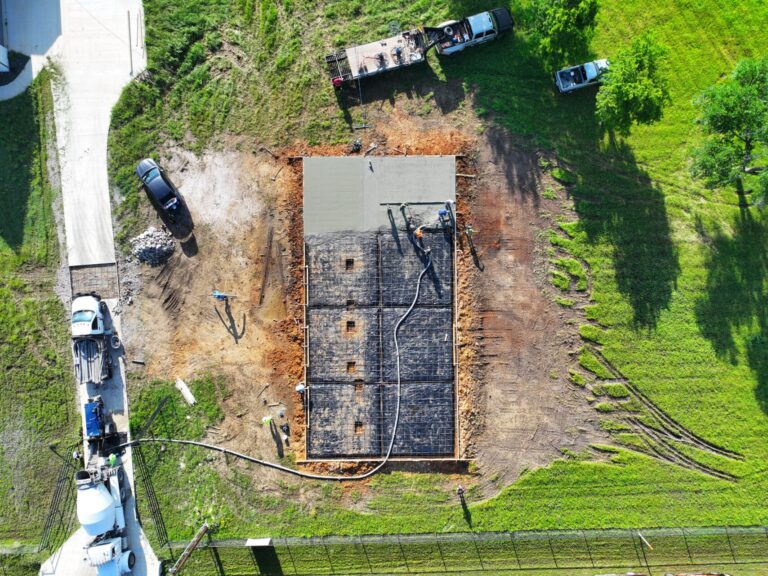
pixel 528 410
pixel 517 410
pixel 179 331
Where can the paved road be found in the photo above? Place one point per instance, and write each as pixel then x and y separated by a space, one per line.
pixel 94 54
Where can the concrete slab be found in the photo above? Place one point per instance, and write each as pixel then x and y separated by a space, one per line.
pixel 362 269
pixel 352 193
pixel 94 53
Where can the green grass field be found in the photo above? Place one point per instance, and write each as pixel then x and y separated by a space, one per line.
pixel 36 389
pixel 679 273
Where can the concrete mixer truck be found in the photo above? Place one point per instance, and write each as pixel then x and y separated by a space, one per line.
pixel 100 495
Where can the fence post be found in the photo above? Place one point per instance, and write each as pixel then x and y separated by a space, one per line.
pixel 514 549
pixel 552 549
pixel 687 549
pixel 328 554
pixel 586 542
pixel 365 551
pixel 290 555
pixel 730 545
pixel 477 550
pixel 639 560
pixel 402 551
pixel 439 549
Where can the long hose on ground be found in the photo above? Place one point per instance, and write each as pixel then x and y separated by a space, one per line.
pixel 308 475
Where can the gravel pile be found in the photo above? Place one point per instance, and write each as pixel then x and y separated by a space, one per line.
pixel 153 246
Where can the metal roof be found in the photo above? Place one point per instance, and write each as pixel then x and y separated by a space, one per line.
pixel 352 193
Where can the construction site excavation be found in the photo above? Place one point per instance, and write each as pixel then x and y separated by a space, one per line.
pixel 380 308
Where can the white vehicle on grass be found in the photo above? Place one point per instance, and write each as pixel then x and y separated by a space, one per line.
pixel 581 76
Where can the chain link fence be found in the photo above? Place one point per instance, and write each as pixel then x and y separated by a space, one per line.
pixel 486 552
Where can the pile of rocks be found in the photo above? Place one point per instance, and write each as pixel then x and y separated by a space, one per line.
pixel 153 246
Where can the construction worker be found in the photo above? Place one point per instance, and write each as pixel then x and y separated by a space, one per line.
pixel 266 420
pixel 419 233
pixel 112 460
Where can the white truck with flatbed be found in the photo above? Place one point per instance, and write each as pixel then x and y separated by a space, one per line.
pixel 101 491
pixel 410 47
pixel 90 336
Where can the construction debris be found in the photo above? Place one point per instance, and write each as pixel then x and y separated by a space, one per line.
pixel 153 246
pixel 182 387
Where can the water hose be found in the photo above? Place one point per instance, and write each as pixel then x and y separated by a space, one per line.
pixel 308 475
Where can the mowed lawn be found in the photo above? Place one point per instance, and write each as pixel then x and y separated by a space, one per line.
pixel 679 272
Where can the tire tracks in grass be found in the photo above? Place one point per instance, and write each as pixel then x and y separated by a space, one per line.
pixel 658 440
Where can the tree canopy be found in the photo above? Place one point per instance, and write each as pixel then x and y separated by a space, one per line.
pixel 636 88
pixel 734 116
pixel 562 28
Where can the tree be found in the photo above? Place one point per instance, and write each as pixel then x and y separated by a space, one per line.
pixel 563 28
pixel 734 116
pixel 635 89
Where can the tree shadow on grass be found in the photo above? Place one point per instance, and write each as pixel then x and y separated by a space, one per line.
pixel 617 202
pixel 512 91
pixel 615 199
pixel 19 153
pixel 735 308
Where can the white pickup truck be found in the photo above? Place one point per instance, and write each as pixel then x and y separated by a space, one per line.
pixel 455 35
pixel 90 353
pixel 410 47
pixel 581 76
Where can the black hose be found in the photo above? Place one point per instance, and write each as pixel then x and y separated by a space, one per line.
pixel 308 475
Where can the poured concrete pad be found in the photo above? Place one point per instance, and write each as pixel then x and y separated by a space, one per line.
pixel 358 193
pixel 363 265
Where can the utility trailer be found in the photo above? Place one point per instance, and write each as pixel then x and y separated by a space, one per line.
pixel 101 491
pixel 90 353
pixel 399 51
pixel 410 47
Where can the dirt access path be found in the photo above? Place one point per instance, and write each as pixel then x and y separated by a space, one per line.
pixel 528 410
